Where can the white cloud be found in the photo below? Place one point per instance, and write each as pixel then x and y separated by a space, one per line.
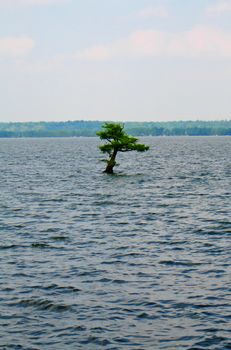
pixel 200 41
pixel 152 12
pixel 15 46
pixel 95 53
pixel 219 8
pixel 10 3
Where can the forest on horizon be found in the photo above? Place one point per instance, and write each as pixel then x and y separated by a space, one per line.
pixel 80 128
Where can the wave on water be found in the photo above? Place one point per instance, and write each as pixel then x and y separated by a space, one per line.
pixel 139 260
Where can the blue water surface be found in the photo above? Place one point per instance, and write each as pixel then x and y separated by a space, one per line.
pixel 137 260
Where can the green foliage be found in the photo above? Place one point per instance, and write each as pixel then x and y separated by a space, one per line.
pixel 117 140
pixel 89 128
pixel 111 131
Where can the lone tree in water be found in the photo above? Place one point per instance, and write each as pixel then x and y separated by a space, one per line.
pixel 117 140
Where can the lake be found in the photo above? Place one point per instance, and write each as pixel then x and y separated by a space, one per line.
pixel 135 260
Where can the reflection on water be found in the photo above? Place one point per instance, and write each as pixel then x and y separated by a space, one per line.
pixel 139 260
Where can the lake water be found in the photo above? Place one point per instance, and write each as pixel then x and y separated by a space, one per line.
pixel 138 260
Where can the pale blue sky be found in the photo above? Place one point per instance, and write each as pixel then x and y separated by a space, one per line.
pixel 141 60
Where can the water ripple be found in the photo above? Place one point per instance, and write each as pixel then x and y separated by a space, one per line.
pixel 139 260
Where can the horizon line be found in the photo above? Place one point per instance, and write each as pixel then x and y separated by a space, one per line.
pixel 116 121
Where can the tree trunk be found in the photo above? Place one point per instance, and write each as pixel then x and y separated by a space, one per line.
pixel 111 163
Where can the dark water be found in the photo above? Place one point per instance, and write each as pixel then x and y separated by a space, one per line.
pixel 139 260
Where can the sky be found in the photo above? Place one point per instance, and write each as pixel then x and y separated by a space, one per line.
pixel 122 60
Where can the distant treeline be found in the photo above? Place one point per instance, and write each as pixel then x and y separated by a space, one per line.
pixel 89 128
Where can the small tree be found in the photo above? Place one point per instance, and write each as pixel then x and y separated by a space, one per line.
pixel 117 140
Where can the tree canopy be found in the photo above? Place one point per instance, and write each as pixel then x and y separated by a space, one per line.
pixel 89 128
pixel 117 140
